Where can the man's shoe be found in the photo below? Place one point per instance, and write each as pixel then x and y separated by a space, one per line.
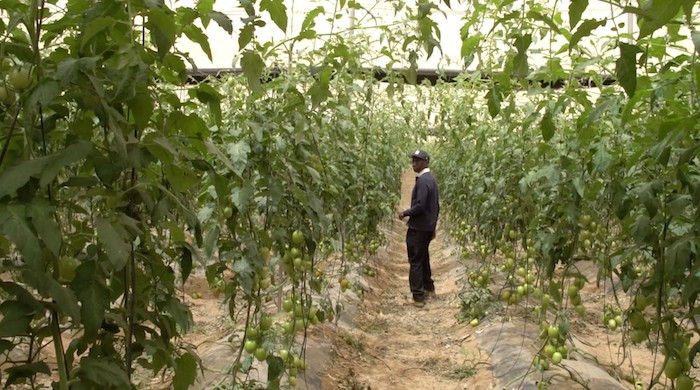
pixel 418 304
pixel 429 294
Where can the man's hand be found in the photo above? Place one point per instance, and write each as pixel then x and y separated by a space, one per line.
pixel 401 216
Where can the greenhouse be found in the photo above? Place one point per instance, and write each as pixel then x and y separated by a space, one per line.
pixel 349 194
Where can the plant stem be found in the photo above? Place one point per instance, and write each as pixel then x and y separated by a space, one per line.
pixel 60 353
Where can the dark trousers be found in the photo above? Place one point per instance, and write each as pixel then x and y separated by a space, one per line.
pixel 420 276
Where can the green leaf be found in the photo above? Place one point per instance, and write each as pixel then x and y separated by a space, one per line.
pixel 275 369
pixel 678 259
pixel 210 240
pixel 21 293
pixel 320 89
pixel 95 27
pixel 641 229
pixel 115 241
pixel 688 9
pixel 222 157
pixel 576 9
pixel 520 65
pixel 141 106
pixel 493 99
pixel 69 70
pixel 41 214
pixel 179 312
pixel 246 35
pixel 626 68
pixel 648 198
pixel 585 30
pixel 71 154
pixel 93 294
pixel 16 317
pixel 247 363
pixel 103 372
pixel 277 11
pixel 695 36
pixel 205 6
pixel 242 197
pixel 602 158
pixel 185 371
pixel 64 297
pixel 544 18
pixel 579 186
pixel 44 93
pixel 691 289
pixel 18 373
pixel 17 176
pixel 509 16
pixel 239 155
pixel 659 14
pixel 310 19
pixel 678 204
pixel 222 20
pixel 185 263
pixel 469 45
pixel 14 223
pixel 162 27
pixel 196 35
pixel 252 69
pixel 180 178
pixel 547 126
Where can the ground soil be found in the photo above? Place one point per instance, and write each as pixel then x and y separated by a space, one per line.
pixel 387 343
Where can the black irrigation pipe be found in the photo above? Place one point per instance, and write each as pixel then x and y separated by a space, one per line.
pixel 431 75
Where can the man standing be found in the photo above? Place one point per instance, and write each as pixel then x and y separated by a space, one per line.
pixel 423 216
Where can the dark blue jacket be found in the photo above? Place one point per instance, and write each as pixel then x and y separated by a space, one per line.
pixel 425 204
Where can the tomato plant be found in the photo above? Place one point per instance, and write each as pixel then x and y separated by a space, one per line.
pixel 561 174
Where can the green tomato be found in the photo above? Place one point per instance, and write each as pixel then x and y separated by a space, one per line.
pixel 265 283
pixel 250 346
pixel 585 220
pixel 297 237
pixel 228 212
pixel 261 354
pixel 637 320
pixel 66 268
pixel 251 332
pixel 683 382
pixel 638 335
pixel 576 300
pixel 553 331
pixel 545 301
pixel 20 77
pixel 549 350
pixel 673 368
pixel 10 97
pixel 556 357
pixel 265 323
pixel 4 92
pixel 284 354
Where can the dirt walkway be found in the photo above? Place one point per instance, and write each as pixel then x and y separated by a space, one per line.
pixel 397 346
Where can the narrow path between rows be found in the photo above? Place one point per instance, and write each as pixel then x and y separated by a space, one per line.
pixel 398 346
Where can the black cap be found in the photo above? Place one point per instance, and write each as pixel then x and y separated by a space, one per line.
pixel 421 154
